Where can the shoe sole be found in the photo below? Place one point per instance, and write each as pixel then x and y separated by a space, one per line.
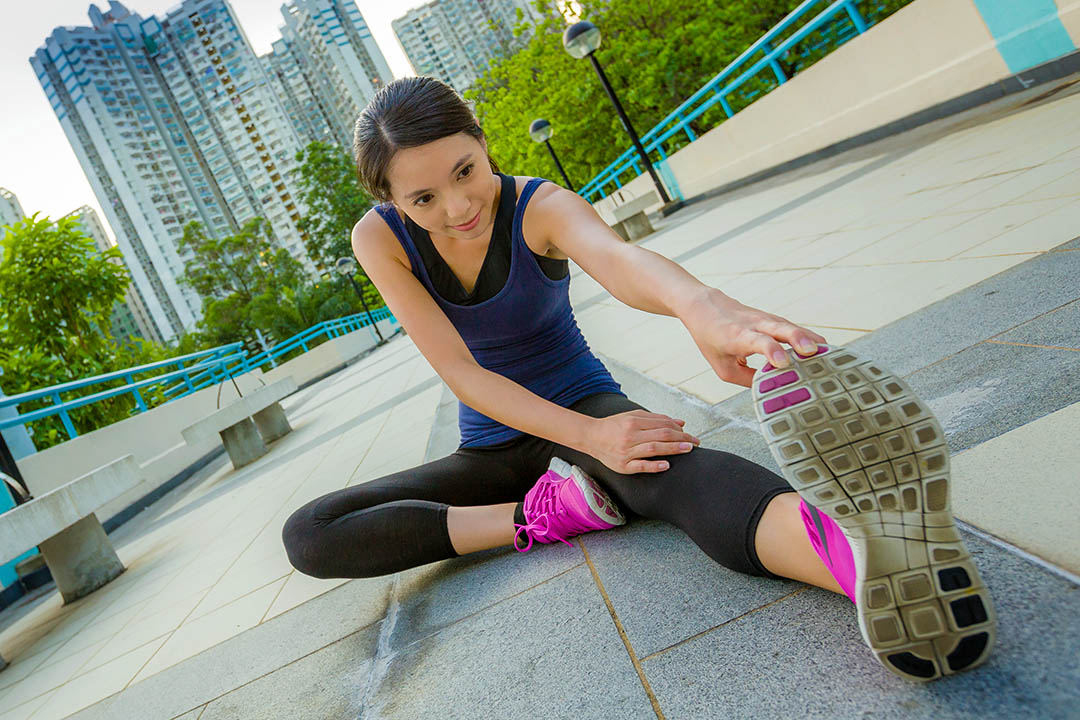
pixel 856 443
pixel 599 501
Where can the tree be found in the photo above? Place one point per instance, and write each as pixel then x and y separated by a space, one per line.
pixel 57 291
pixel 247 281
pixel 656 53
pixel 239 277
pixel 334 200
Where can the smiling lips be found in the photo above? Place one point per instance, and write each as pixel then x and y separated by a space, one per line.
pixel 469 225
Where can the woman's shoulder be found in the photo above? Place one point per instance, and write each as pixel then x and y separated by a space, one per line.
pixel 372 237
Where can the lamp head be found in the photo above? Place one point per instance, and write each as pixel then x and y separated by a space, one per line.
pixel 581 39
pixel 345 265
pixel 540 130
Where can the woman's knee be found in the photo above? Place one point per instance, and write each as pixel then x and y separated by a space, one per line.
pixel 300 536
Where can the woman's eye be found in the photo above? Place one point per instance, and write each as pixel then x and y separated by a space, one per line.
pixel 422 200
pixel 465 171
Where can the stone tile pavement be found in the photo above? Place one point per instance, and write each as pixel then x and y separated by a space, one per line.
pixel 948 252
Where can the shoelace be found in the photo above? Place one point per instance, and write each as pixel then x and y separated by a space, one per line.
pixel 546 505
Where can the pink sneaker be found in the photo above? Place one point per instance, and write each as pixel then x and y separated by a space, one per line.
pixel 563 503
pixel 831 545
pixel 871 462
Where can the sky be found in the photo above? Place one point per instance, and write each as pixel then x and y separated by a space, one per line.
pixel 36 160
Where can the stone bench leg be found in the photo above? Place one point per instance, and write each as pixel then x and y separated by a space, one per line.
pixel 81 558
pixel 243 443
pixel 637 226
pixel 272 423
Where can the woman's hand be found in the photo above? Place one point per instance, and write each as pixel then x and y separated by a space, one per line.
pixel 623 441
pixel 726 332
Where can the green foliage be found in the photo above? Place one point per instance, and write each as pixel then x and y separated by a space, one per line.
pixel 656 53
pixel 334 200
pixel 247 281
pixel 56 294
pixel 242 279
pixel 58 290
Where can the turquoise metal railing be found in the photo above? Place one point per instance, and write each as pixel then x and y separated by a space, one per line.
pixel 838 22
pixel 208 367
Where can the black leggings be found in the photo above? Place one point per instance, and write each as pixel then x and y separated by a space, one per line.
pixel 399 521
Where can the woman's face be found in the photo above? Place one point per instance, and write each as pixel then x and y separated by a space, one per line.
pixel 445 186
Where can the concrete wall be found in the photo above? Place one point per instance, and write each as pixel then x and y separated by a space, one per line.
pixel 330 355
pixel 154 437
pixel 926 53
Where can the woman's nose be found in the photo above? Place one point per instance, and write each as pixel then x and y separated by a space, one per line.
pixel 456 208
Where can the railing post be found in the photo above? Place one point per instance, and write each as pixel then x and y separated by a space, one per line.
pixel 65 418
pixel 856 17
pixel 778 71
pixel 139 402
pixel 726 105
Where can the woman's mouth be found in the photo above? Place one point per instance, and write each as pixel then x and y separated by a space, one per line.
pixel 469 225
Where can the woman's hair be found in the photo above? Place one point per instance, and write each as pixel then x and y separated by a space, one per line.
pixel 407 112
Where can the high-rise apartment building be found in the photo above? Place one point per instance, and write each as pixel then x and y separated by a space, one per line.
pixel 173 120
pixel 308 113
pixel 10 212
pixel 10 209
pixel 328 67
pixel 129 316
pixel 455 40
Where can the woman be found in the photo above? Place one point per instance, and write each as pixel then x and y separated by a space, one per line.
pixel 474 264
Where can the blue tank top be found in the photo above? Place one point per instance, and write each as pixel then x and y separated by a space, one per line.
pixel 526 332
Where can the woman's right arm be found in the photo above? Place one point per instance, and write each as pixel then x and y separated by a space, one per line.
pixel 622 442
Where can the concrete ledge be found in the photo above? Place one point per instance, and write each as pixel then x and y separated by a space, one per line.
pixel 237 410
pixel 33 523
pixel 1049 72
pixel 876 85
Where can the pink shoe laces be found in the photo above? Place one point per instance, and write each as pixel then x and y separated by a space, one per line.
pixel 547 517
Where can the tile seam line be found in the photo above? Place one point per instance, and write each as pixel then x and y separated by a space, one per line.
pixel 1036 317
pixel 214 699
pixel 1015 550
pixel 622 635
pixel 735 619
pixel 1031 345
pixel 209 590
pixel 488 607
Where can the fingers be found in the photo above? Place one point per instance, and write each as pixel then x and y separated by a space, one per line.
pixel 801 340
pixel 738 374
pixel 770 348
pixel 659 419
pixel 645 466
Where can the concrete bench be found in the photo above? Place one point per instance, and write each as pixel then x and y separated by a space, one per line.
pixel 631 222
pixel 247 423
pixel 62 525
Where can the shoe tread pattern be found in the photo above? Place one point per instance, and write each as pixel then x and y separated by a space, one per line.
pixel 856 443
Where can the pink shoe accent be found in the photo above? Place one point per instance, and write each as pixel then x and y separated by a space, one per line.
pixel 831 545
pixel 778 381
pixel 563 503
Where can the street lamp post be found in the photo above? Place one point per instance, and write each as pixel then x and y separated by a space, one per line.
pixel 581 40
pixel 347 267
pixel 540 131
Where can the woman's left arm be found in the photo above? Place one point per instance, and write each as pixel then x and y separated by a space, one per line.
pixel 725 330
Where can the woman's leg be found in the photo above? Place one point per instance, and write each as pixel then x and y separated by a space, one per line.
pixel 742 515
pixel 784 548
pixel 472 529
pixel 461 503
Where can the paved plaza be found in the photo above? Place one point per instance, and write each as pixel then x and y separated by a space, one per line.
pixel 950 253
